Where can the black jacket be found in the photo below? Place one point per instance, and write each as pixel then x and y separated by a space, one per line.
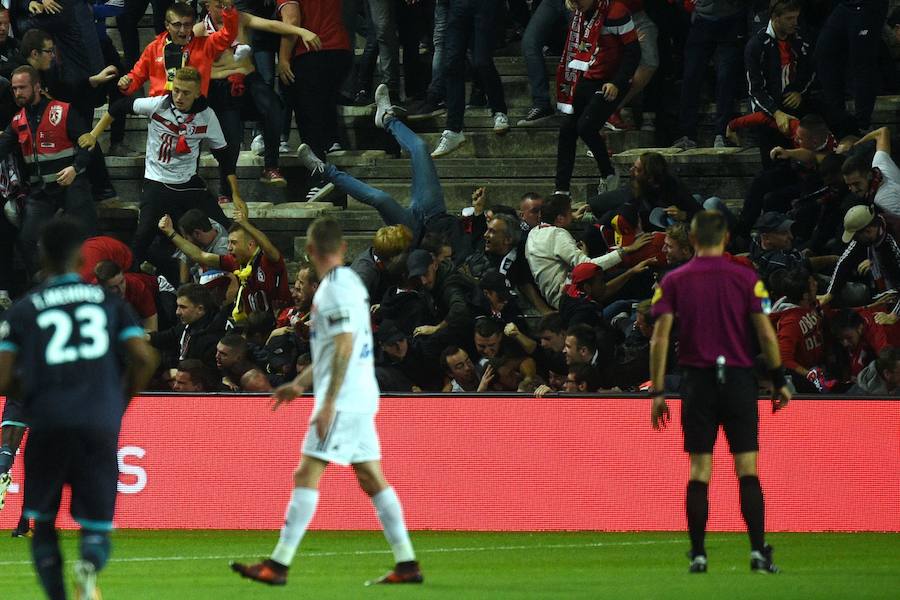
pixel 201 345
pixel 762 62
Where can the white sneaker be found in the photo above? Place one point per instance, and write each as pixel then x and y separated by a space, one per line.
pixel 5 480
pixel 383 106
pixel 284 148
pixel 501 123
pixel 309 159
pixel 450 141
pixel 335 147
pixel 317 193
pixel 85 580
pixel 720 142
pixel 258 145
pixel 608 184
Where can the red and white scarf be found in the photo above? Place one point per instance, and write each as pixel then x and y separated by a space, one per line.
pixel 582 47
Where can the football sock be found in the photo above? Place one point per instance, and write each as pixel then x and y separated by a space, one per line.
pixel 299 513
pixel 6 458
pixel 390 513
pixel 697 513
pixel 754 511
pixel 48 559
pixel 95 547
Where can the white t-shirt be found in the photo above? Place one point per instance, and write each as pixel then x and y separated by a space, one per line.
pixel 163 163
pixel 341 305
pixel 887 198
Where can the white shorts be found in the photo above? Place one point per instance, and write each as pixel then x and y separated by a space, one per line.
pixel 350 440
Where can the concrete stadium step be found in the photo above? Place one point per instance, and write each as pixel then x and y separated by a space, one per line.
pixel 356 243
pixel 458 192
pixel 282 223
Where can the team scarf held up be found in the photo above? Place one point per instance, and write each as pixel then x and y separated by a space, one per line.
pixel 582 46
pixel 243 274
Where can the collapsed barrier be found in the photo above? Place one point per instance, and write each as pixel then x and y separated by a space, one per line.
pixel 500 464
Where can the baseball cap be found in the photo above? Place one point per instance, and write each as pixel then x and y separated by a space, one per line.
pixel 771 222
pixel 418 261
pixel 660 218
pixel 585 272
pixel 388 333
pixel 493 280
pixel 858 217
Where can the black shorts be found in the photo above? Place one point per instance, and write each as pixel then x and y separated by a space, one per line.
pixel 706 404
pixel 13 412
pixel 86 460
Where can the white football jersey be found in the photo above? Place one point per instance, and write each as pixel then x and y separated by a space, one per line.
pixel 341 305
pixel 163 163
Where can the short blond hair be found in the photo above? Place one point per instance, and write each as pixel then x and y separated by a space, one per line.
pixel 391 241
pixel 188 74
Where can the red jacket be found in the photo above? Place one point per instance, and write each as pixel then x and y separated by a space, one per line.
pixel 199 53
pixel 800 337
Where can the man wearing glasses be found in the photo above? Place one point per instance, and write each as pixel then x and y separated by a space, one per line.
pixel 177 47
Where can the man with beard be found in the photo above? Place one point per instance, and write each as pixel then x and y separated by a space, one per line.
pixel 652 185
pixel 55 167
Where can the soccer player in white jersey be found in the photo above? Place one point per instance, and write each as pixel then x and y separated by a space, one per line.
pixel 342 428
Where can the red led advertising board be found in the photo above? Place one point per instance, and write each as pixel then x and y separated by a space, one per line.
pixel 500 464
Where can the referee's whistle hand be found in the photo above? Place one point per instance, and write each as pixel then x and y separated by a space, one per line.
pixel 780 398
pixel 659 413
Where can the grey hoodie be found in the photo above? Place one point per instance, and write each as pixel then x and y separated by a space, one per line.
pixel 869 382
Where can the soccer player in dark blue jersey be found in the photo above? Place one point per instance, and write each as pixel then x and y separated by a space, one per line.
pixel 63 347
pixel 12 430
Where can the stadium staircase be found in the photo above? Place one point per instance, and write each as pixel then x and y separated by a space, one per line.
pixel 508 166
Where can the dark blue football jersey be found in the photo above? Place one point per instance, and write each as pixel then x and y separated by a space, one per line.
pixel 67 336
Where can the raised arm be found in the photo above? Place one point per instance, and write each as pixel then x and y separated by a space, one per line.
pixel 219 41
pixel 265 244
pixel 197 255
pixel 882 137
pixel 309 39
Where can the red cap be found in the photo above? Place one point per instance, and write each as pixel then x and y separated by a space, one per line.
pixel 585 272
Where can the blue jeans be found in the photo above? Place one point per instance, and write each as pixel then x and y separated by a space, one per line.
pixel 426 195
pixel 471 24
pixel 724 38
pixel 437 90
pixel 550 17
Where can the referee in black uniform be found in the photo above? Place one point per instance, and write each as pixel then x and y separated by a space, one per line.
pixel 721 306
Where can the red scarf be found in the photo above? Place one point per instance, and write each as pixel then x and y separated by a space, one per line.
pixel 181 147
pixel 582 47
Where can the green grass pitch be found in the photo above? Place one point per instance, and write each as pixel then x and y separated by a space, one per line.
pixel 193 565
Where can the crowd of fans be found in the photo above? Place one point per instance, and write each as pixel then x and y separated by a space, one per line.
pixel 536 294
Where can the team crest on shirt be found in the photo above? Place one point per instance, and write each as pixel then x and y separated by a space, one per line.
pixel 55 114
